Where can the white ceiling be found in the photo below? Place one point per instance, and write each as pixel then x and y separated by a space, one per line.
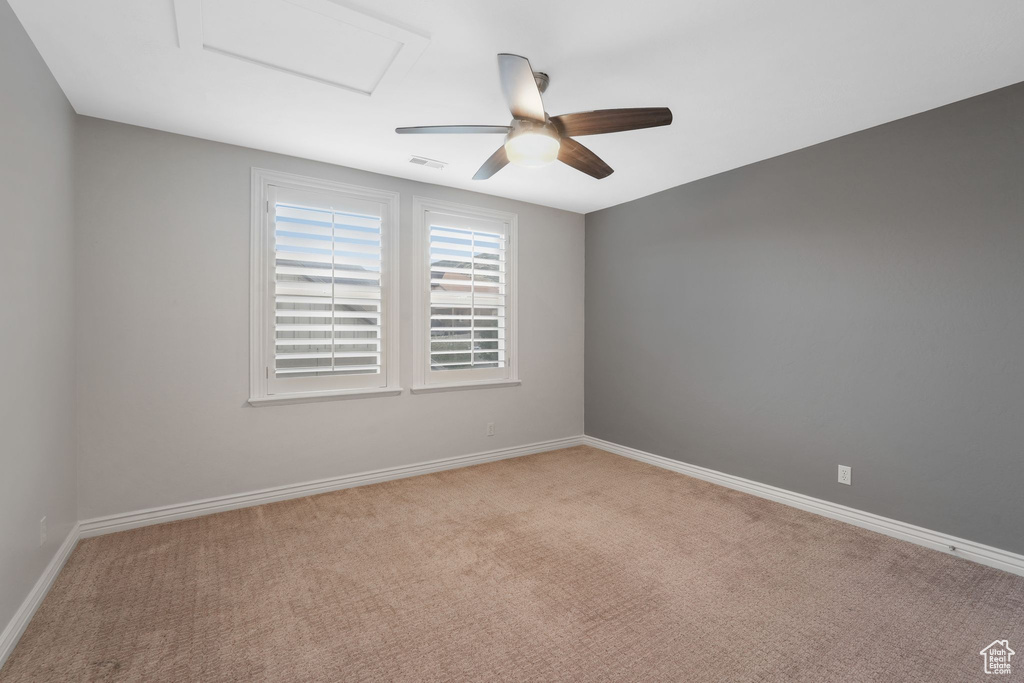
pixel 746 79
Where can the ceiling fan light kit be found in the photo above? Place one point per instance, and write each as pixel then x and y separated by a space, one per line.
pixel 530 143
pixel 535 139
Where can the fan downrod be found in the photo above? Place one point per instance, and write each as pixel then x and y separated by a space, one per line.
pixel 542 80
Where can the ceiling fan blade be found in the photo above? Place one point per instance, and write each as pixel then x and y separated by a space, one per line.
pixel 504 130
pixel 494 163
pixel 582 159
pixel 612 120
pixel 520 88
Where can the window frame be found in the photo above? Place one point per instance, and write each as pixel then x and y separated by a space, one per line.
pixel 262 281
pixel 426 380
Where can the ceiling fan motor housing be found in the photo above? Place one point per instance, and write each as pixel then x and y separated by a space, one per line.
pixel 521 126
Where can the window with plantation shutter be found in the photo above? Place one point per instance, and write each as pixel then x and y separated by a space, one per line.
pixel 323 290
pixel 466 296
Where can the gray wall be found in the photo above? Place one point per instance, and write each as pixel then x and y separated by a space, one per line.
pixel 860 302
pixel 37 462
pixel 163 298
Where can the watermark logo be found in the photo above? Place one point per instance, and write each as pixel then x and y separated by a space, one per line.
pixel 997 657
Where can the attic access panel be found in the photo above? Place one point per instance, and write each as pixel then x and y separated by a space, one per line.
pixel 315 39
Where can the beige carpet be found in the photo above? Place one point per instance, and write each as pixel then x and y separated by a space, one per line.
pixel 571 565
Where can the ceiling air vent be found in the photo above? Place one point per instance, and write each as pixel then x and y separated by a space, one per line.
pixel 429 163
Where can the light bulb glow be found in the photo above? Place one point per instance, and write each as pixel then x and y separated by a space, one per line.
pixel 532 149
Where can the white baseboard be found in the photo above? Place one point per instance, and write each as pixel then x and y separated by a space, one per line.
pixel 168 513
pixel 976 552
pixel 18 624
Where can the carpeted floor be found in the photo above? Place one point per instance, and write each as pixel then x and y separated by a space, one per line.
pixel 571 565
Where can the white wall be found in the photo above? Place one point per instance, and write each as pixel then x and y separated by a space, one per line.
pixel 163 298
pixel 37 463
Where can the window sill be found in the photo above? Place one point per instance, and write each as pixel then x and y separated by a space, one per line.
pixel 315 396
pixel 460 386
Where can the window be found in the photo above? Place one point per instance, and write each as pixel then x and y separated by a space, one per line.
pixel 465 297
pixel 324 290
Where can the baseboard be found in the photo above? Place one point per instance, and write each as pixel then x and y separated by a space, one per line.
pixel 169 513
pixel 10 636
pixel 976 552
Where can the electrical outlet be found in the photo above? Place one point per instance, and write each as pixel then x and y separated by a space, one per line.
pixel 845 475
pixel 490 429
pixel 42 531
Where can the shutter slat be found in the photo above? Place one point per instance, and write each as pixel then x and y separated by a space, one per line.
pixel 467 271
pixel 339 369
pixel 435 316
pixel 492 344
pixel 296 327
pixel 346 225
pixel 439 251
pixel 306 256
pixel 446 299
pixel 322 233
pixel 328 354
pixel 340 272
pixel 338 341
pixel 282 313
pixel 350 299
pixel 348 290
pixel 306 243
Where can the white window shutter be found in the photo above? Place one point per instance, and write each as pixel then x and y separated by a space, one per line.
pixel 327 276
pixel 465 313
pixel 467 297
pixel 324 290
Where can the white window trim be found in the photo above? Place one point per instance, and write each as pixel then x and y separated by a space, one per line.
pixel 422 380
pixel 260 334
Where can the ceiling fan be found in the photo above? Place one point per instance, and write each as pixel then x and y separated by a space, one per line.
pixel 533 138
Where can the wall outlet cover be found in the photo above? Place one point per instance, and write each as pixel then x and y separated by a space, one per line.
pixel 845 475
